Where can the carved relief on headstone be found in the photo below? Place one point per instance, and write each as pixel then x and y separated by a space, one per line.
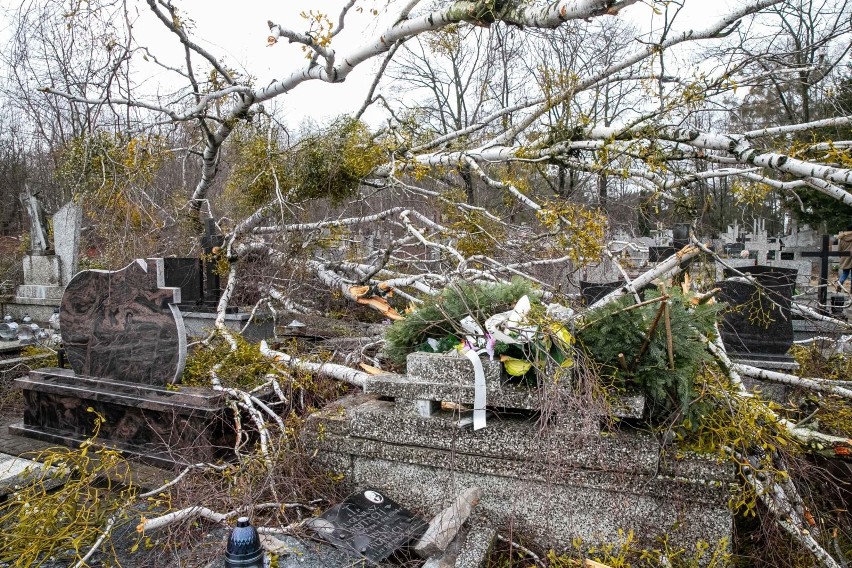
pixel 124 325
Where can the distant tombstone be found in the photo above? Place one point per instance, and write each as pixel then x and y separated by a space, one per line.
pixel 758 318
pixel 124 325
pixel 186 274
pixel 723 270
pixel 39 243
pixel 733 249
pixel 210 243
pixel 680 235
pixel 659 254
pixel 604 271
pixel 45 273
pixel 803 270
pixel 591 292
pixel 67 223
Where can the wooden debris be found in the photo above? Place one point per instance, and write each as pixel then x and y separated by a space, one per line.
pixel 370 369
pixel 373 296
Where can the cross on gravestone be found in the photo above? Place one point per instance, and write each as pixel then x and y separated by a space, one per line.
pixel 824 255
pixel 210 241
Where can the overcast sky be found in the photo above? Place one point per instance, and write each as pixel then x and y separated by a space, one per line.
pixel 238 32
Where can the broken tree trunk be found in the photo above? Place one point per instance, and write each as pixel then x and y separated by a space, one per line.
pixel 446 524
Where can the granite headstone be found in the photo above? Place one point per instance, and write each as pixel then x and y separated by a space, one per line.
pixel 66 239
pixel 125 340
pixel 124 325
pixel 758 319
pixel 186 274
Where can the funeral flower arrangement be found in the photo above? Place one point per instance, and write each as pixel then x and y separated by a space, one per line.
pixel 656 346
pixel 505 321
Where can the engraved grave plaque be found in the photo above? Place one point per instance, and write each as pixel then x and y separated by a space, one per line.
pixel 369 525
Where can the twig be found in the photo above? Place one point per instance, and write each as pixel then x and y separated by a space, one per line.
pixel 535 557
pixel 97 544
pixel 181 475
pixel 650 334
pixel 149 525
pixel 669 341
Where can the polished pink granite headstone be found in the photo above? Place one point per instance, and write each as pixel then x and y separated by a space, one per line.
pixel 124 325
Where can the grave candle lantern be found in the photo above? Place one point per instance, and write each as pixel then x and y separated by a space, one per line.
pixel 25 334
pixel 53 322
pixel 8 330
pixel 244 549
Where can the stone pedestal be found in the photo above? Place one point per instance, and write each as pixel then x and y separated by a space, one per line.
pixel 42 278
pixel 200 324
pixel 161 426
pixel 39 309
pixel 551 483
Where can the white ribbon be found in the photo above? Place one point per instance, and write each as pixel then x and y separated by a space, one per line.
pixel 478 389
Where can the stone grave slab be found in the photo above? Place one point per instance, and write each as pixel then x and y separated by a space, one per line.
pixel 18 472
pixel 552 479
pixel 550 484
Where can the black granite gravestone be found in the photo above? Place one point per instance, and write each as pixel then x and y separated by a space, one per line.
pixel 591 292
pixel 210 244
pixel 186 274
pixel 659 254
pixel 368 524
pixel 758 319
pixel 680 235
